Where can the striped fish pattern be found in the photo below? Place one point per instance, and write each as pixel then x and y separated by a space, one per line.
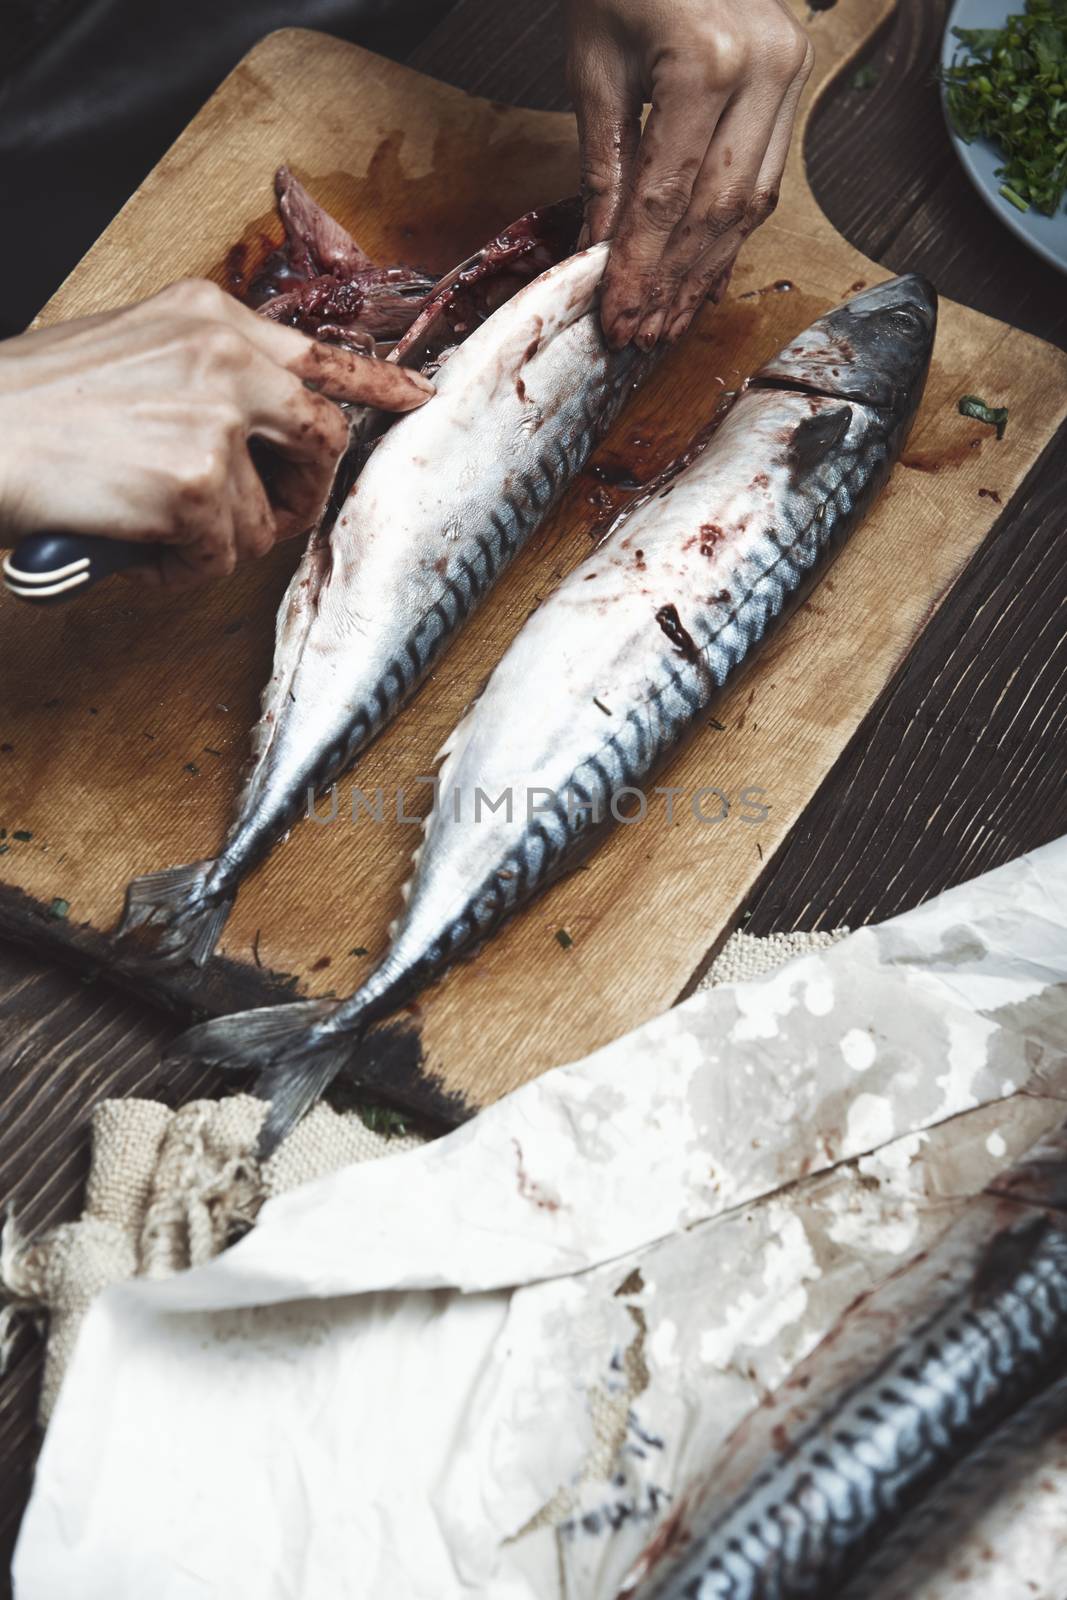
pixel 928 1540
pixel 445 501
pixel 616 668
pixel 807 1523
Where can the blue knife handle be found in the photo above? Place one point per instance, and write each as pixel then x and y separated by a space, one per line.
pixel 45 567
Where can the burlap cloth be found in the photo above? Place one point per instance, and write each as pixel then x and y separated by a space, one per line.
pixel 169 1189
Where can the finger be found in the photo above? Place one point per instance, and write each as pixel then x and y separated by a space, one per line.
pixel 198 537
pixel 308 451
pixel 672 150
pixel 340 374
pixel 720 204
pixel 607 104
pixel 211 553
pixel 348 375
pixel 308 435
pixel 712 292
pixel 708 272
pixel 297 422
pixel 254 523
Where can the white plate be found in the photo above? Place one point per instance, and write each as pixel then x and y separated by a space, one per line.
pixel 1046 235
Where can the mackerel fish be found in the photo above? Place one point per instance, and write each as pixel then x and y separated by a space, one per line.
pixel 870 1495
pixel 415 540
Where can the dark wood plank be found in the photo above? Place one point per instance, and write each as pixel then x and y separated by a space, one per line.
pixel 959 767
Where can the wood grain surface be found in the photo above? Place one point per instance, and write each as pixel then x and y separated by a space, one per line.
pixel 967 742
pixel 124 752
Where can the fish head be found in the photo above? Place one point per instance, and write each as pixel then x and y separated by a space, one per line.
pixel 875 349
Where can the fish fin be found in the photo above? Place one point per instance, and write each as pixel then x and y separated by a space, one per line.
pixel 296 1061
pixel 293 1086
pixel 179 902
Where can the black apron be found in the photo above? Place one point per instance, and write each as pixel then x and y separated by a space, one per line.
pixel 92 92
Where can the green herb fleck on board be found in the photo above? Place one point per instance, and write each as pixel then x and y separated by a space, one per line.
pixel 4 848
pixel 391 1124
pixel 995 416
pixel 563 939
pixel 59 909
pixel 358 950
pixel 23 835
pixel 866 77
pixel 191 766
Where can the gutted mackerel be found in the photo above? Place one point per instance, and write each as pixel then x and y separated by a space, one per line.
pixel 608 677
pixel 448 497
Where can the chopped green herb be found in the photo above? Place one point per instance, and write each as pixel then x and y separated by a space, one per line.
pixel 866 77
pixel 4 848
pixel 59 909
pixel 391 1124
pixel 3 833
pixel 22 834
pixel 995 416
pixel 191 766
pixel 1009 85
pixel 563 938
pixel 1016 199
pixel 358 950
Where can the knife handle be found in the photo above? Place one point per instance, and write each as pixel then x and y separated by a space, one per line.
pixel 44 567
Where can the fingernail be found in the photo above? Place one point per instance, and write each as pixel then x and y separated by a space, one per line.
pixel 650 329
pixel 678 326
pixel 619 326
pixel 420 381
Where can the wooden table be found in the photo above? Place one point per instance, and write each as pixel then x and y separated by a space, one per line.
pixel 960 766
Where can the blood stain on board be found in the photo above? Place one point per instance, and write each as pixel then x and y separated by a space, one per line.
pixel 929 462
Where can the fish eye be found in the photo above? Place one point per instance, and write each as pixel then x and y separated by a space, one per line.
pixel 906 319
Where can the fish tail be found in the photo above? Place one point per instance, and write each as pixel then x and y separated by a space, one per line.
pixel 296 1057
pixel 183 901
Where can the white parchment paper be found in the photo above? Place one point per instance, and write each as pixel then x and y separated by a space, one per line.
pixel 487 1366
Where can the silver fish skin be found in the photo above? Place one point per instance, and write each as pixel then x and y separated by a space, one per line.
pixel 925 1549
pixel 613 671
pixel 449 496
pixel 816 1518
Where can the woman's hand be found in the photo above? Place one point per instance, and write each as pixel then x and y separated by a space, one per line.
pixel 136 425
pixel 724 78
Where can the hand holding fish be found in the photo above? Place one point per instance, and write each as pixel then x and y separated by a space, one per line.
pixel 724 78
pixel 135 424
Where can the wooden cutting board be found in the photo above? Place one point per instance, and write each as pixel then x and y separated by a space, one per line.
pixel 126 714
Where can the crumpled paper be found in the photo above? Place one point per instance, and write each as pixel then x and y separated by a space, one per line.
pixel 488 1366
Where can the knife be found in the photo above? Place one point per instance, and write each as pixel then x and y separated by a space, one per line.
pixel 44 567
